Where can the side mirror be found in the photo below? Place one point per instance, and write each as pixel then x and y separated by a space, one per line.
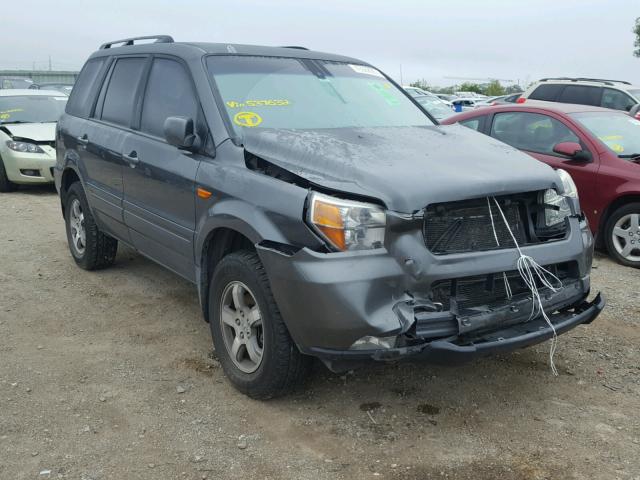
pixel 572 150
pixel 180 131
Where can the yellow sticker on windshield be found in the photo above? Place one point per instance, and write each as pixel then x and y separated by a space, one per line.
pixel 616 147
pixel 247 119
pixel 5 114
pixel 282 102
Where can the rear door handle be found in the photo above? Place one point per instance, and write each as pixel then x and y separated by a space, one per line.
pixel 83 140
pixel 131 158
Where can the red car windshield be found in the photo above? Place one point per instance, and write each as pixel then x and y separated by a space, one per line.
pixel 618 131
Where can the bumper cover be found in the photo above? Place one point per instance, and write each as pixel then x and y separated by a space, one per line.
pixel 457 349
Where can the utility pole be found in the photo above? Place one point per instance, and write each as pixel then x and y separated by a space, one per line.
pixel 401 81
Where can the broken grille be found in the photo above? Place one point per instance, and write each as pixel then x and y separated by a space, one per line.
pixel 466 226
pixel 489 290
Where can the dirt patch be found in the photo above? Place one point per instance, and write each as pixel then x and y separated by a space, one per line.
pixel 108 375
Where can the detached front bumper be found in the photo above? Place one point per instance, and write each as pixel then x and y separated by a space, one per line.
pixel 331 301
pixel 457 350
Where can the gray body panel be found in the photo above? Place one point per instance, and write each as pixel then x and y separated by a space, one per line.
pixel 407 168
pixel 328 300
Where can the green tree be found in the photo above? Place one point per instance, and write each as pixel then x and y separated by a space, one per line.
pixel 636 31
pixel 422 83
pixel 470 87
pixel 515 88
pixel 494 89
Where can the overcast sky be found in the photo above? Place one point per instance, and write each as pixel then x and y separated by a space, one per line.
pixel 517 40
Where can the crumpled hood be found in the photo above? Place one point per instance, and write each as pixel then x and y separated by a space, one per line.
pixel 39 132
pixel 407 168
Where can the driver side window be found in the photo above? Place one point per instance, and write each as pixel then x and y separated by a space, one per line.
pixel 533 132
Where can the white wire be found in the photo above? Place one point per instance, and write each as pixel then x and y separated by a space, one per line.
pixel 529 269
pixel 507 287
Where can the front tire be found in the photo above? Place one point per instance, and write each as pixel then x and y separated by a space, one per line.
pixel 5 184
pixel 623 235
pixel 251 340
pixel 91 248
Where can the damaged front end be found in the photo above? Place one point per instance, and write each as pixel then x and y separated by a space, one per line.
pixel 443 286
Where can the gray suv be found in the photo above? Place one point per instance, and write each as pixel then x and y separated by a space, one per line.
pixel 317 208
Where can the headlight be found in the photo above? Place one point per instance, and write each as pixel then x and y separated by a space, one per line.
pixel 347 225
pixel 24 147
pixel 559 204
pixel 568 184
pixel 559 210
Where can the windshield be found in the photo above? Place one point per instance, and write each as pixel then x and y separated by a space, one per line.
pixel 31 108
pixel 292 93
pixel 635 93
pixel 436 107
pixel 618 131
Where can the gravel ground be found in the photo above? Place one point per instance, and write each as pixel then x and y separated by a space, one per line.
pixel 111 375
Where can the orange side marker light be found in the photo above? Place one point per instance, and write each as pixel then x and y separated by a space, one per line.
pixel 202 193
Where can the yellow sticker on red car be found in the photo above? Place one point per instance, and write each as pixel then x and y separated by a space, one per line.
pixel 247 119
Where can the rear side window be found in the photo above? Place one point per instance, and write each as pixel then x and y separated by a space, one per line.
pixel 581 95
pixel 169 93
pixel 547 92
pixel 80 101
pixel 121 92
pixel 617 100
pixel 473 123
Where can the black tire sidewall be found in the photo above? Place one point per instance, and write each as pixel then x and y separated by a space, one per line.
pixel 5 184
pixel 615 216
pixel 235 267
pixel 76 191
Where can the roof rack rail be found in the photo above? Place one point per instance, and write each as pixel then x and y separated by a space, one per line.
pixel 130 41
pixel 294 46
pixel 584 79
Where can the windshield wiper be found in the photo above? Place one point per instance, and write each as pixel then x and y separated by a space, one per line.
pixel 634 157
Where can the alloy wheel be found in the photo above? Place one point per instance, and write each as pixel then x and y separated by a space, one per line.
pixel 76 224
pixel 626 237
pixel 241 324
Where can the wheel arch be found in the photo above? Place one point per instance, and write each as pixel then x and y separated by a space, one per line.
pixel 69 176
pixel 218 243
pixel 610 209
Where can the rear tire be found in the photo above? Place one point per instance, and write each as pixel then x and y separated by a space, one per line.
pixel 244 313
pixel 622 235
pixel 5 184
pixel 90 247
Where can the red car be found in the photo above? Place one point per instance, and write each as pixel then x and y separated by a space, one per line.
pixel 600 148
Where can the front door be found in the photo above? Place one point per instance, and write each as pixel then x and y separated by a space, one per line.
pixel 159 178
pixel 537 134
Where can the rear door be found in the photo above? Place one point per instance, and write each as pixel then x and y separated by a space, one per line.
pixel 104 135
pixel 159 179
pixel 537 134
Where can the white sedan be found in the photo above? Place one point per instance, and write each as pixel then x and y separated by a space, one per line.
pixel 27 136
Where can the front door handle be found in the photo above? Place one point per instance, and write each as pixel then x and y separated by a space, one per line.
pixel 132 158
pixel 83 140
